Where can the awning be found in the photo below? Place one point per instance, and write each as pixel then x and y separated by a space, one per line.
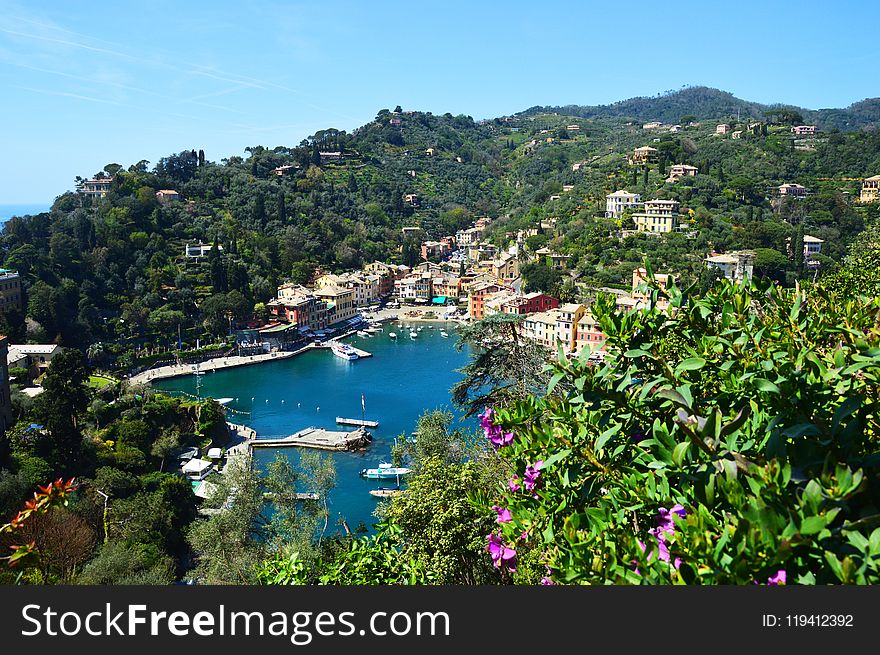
pixel 439 300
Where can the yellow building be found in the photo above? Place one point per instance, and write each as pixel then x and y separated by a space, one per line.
pixel 659 217
pixel 870 189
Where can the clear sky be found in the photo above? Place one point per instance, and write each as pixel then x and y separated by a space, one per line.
pixel 86 84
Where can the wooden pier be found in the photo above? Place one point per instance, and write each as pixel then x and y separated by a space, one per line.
pixel 318 438
pixel 356 421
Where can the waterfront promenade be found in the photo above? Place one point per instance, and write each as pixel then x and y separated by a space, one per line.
pixel 211 365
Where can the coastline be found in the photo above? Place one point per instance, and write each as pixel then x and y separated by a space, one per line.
pixel 220 363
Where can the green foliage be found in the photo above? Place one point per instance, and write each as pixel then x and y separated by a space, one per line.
pixel 764 429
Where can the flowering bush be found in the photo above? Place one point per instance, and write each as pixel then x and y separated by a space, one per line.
pixel 732 441
pixel 54 494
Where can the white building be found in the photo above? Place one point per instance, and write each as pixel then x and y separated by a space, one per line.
pixel 734 266
pixel 617 202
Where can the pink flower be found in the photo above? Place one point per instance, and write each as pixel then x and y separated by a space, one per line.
pixel 503 556
pixel 530 479
pixel 493 432
pixel 547 582
pixel 778 579
pixel 513 483
pixel 503 514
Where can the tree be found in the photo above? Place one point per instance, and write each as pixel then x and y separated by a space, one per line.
pixel 505 367
pixel 65 397
pixel 770 263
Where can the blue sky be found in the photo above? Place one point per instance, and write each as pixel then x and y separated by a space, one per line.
pixel 87 84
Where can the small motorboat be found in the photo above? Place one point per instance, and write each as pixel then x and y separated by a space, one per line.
pixel 413 334
pixel 444 333
pixel 393 335
pixel 361 333
pixel 386 492
pixel 385 471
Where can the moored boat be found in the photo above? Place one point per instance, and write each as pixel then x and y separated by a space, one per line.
pixel 444 333
pixel 393 335
pixel 385 471
pixel 413 334
pixel 343 350
pixel 386 492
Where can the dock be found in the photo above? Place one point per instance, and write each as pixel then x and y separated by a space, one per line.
pixel 356 421
pixel 318 438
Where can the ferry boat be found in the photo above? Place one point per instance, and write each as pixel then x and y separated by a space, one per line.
pixel 343 350
pixel 385 471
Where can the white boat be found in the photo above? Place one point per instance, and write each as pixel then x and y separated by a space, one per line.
pixel 444 333
pixel 386 492
pixel 393 335
pixel 413 334
pixel 343 350
pixel 361 333
pixel 385 471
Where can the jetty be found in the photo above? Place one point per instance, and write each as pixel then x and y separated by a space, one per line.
pixel 318 438
pixel 356 421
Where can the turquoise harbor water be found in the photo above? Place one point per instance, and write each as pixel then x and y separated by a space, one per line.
pixel 404 378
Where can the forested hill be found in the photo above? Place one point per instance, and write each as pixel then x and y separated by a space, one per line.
pixel 113 269
pixel 705 103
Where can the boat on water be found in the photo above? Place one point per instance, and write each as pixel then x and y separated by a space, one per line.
pixel 444 333
pixel 361 333
pixel 393 335
pixel 386 492
pixel 413 334
pixel 385 471
pixel 343 350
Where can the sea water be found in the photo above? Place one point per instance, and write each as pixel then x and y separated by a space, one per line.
pixel 404 378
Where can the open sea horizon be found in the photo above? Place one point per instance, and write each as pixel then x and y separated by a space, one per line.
pixel 24 209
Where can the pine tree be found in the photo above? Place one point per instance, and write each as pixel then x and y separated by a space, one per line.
pixel 282 207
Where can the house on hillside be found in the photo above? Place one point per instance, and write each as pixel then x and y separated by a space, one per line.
pixel 681 170
pixel 96 187
pixel 735 266
pixel 812 245
pixel 792 191
pixel 658 217
pixel 643 155
pixel 870 189
pixel 617 202
pixel 10 290
pixel 803 130
pixel 167 195
pixel 723 128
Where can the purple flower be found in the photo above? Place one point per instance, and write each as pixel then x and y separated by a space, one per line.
pixel 486 418
pixel 503 556
pixel 513 483
pixel 547 582
pixel 666 523
pixel 499 438
pixel 778 579
pixel 503 514
pixel 524 535
pixel 530 479
pixel 493 432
